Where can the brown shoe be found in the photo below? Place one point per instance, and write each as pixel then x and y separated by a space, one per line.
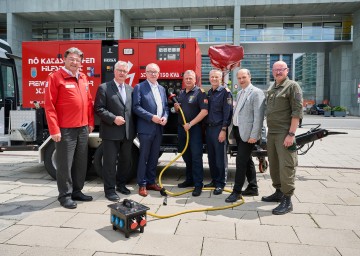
pixel 154 186
pixel 142 191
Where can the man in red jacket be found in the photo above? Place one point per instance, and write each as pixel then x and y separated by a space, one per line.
pixel 70 116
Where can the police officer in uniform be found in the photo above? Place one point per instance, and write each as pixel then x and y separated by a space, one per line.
pixel 284 110
pixel 217 122
pixel 194 105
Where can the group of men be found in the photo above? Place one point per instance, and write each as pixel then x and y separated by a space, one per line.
pixel 142 111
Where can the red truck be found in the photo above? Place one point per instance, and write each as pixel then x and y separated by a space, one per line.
pixel 24 125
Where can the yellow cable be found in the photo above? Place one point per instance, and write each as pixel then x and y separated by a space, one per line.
pixel 189 190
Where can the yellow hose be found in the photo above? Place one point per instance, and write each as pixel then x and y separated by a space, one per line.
pixel 189 190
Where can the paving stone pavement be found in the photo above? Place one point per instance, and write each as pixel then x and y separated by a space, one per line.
pixel 325 220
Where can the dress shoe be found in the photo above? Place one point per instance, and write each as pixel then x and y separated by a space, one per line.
pixel 142 191
pixel 123 190
pixel 218 191
pixel 233 197
pixel 154 186
pixel 250 192
pixel 197 191
pixel 284 207
pixel 276 197
pixel 79 196
pixel 68 203
pixel 112 197
pixel 210 185
pixel 186 184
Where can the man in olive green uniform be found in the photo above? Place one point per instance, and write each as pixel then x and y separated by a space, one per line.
pixel 284 110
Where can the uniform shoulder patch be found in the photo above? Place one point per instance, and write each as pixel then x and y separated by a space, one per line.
pixel 229 101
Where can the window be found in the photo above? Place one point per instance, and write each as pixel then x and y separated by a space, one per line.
pixel 217 27
pixel 255 26
pixel 292 25
pixel 181 28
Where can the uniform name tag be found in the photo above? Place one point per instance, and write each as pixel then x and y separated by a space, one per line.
pixel 69 86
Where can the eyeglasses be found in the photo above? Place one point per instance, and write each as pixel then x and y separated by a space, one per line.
pixel 280 70
pixel 152 72
pixel 73 59
pixel 121 71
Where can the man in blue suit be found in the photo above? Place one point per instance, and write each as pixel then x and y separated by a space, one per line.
pixel 150 105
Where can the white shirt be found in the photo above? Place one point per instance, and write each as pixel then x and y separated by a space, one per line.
pixel 156 93
pixel 122 91
pixel 239 103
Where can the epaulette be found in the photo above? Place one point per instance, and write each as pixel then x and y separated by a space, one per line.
pixel 202 90
pixel 227 89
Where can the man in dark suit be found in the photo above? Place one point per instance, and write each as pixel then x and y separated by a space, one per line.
pixel 150 105
pixel 113 104
pixel 247 120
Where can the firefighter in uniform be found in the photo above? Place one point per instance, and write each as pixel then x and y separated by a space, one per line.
pixel 194 104
pixel 217 122
pixel 284 110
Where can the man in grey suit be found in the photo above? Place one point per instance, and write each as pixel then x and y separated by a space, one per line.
pixel 247 123
pixel 113 104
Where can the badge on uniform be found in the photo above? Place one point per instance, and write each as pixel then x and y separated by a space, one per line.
pixel 206 101
pixel 229 101
pixel 69 86
pixel 191 99
pixel 298 96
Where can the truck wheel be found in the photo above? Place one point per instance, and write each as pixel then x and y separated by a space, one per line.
pixel 263 165
pixel 98 161
pixel 49 160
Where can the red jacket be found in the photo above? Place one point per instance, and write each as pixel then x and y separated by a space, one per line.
pixel 68 102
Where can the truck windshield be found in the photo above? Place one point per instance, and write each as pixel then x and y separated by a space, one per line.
pixel 7 82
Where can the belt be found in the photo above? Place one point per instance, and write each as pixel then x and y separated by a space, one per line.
pixel 214 124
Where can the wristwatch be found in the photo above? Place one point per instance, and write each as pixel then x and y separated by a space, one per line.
pixel 223 129
pixel 291 134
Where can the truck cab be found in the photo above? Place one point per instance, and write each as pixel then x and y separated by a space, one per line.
pixel 9 90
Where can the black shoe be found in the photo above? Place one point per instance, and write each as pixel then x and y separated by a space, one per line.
pixel 186 184
pixel 234 196
pixel 197 191
pixel 68 203
pixel 79 196
pixel 276 197
pixel 210 185
pixel 112 197
pixel 250 192
pixel 123 190
pixel 218 191
pixel 284 207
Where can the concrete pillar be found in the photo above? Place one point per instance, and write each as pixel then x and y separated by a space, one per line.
pixel 18 30
pixel 122 25
pixel 341 76
pixel 237 22
pixel 354 108
pixel 320 71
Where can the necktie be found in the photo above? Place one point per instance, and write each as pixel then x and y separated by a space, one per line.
pixel 122 92
pixel 237 109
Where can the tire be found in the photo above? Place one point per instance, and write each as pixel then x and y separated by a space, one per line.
pixel 50 165
pixel 98 161
pixel 49 159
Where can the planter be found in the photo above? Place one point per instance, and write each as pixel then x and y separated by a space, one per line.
pixel 339 113
pixel 327 113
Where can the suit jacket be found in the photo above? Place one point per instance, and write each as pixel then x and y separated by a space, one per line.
pixel 144 106
pixel 251 114
pixel 108 105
